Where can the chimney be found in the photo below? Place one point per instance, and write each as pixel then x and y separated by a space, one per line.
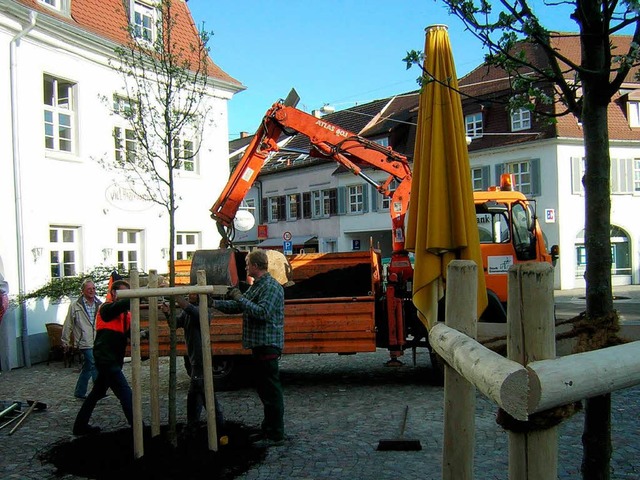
pixel 316 113
pixel 244 134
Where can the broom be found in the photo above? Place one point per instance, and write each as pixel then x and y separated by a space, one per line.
pixel 400 443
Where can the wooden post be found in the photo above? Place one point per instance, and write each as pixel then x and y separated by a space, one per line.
pixel 459 394
pixel 504 381
pixel 154 364
pixel 531 337
pixel 212 429
pixel 138 441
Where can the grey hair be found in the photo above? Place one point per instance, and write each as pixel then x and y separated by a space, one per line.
pixel 85 282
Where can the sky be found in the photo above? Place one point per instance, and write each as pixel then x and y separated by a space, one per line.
pixel 335 52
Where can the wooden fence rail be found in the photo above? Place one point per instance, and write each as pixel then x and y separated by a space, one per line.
pixel 530 381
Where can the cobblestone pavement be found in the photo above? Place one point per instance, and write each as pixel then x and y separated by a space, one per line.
pixel 337 410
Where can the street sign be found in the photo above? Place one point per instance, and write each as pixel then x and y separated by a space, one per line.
pixel 287 247
pixel 286 236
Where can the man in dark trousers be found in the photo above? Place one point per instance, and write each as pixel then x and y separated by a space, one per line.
pixel 262 306
pixel 113 322
pixel 189 320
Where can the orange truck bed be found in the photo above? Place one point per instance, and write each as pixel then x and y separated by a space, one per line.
pixel 337 324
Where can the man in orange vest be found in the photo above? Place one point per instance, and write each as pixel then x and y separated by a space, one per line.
pixel 113 322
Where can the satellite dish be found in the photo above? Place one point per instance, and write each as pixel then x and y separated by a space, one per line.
pixel 244 221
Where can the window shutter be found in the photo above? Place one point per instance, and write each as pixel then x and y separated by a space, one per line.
pixel 342 200
pixel 629 180
pixel 536 188
pixel 375 198
pixel 500 168
pixel 576 176
pixel 615 176
pixel 486 180
pixel 365 198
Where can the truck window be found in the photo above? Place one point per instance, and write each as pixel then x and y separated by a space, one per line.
pixel 493 227
pixel 523 238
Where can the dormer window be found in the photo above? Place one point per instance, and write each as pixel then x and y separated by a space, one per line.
pixel 520 119
pixel 143 22
pixel 633 108
pixel 62 6
pixel 473 125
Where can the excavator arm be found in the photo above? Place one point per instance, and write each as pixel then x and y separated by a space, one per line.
pixel 327 140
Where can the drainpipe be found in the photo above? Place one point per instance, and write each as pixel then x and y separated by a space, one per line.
pixel 17 184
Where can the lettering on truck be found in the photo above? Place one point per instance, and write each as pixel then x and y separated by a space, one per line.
pixel 499 264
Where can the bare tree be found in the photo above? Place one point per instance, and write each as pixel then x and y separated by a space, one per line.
pixel 561 86
pixel 164 104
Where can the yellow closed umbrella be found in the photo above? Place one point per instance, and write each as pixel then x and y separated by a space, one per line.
pixel 441 224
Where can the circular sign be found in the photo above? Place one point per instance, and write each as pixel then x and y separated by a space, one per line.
pixel 286 236
pixel 244 220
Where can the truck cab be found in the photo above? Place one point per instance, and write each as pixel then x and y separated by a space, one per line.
pixel 509 234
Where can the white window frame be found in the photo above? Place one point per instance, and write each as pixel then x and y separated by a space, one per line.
pixel 141 31
pixel 522 174
pixel 633 112
pixel 130 249
pixel 385 203
pixel 184 151
pixel 59 114
pixel 477 179
pixel 473 125
pixel 636 175
pixel 126 151
pixel 320 202
pixel 520 119
pixel 355 199
pixel 186 244
pixel 124 107
pixel 58 5
pixel 294 206
pixel 65 250
pixel 272 203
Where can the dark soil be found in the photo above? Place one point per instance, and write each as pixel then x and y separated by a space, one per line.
pixel 110 455
pixel 354 281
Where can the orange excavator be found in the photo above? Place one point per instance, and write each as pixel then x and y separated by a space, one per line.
pixel 354 153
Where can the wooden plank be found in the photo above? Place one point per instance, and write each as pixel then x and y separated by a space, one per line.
pixel 584 375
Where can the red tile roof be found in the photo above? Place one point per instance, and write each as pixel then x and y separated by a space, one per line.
pixel 107 19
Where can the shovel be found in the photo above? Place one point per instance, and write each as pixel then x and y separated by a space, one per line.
pixel 23 416
pixel 400 443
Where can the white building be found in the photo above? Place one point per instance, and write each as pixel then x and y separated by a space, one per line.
pixel 64 213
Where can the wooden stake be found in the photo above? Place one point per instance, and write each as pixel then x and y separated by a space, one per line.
pixel 531 337
pixel 154 363
pixel 459 394
pixel 209 393
pixel 138 440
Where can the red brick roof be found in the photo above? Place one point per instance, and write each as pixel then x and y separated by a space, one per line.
pixel 107 19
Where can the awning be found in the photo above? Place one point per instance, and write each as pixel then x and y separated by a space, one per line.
pixel 295 241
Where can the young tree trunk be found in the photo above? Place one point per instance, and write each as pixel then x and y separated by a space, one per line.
pixel 596 439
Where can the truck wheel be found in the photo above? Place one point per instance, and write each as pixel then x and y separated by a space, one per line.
pixel 224 371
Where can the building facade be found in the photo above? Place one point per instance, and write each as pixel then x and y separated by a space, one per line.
pixel 66 209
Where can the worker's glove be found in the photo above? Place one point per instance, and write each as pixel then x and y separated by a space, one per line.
pixel 234 294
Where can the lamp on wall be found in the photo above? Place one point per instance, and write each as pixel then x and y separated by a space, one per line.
pixel 37 253
pixel 106 253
